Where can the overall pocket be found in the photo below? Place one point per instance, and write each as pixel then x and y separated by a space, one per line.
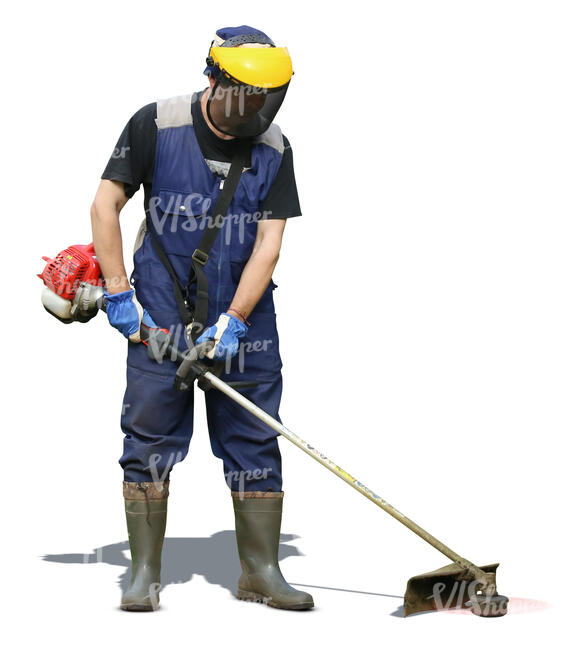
pixel 178 220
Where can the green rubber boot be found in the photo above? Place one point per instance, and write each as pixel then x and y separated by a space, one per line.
pixel 146 516
pixel 257 527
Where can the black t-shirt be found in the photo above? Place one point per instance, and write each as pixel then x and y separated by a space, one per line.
pixel 133 160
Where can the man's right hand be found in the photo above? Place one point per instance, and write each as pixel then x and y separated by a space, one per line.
pixel 126 314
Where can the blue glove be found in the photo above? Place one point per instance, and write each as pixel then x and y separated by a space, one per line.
pixel 226 333
pixel 125 314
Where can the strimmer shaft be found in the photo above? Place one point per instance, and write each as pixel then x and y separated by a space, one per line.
pixel 473 570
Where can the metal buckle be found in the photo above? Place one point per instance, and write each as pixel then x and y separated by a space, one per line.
pixel 200 256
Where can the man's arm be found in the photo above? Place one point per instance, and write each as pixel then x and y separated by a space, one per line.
pixel 259 268
pixel 107 236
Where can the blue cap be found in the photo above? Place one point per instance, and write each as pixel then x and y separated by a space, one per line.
pixel 234 36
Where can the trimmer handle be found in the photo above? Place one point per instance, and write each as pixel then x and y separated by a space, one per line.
pixel 101 303
pixel 189 369
pixel 152 335
pixel 160 346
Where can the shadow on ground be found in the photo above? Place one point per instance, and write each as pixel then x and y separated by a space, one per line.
pixel 215 558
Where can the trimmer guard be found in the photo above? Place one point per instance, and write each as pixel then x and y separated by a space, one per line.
pixel 451 587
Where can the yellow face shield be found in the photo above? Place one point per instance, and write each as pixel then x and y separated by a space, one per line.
pixel 251 83
pixel 262 67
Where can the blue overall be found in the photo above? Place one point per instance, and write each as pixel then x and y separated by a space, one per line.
pixel 157 419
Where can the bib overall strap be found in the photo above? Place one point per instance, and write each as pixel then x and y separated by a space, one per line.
pixel 184 303
pixel 198 313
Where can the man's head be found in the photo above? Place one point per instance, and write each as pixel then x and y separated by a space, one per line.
pixel 249 78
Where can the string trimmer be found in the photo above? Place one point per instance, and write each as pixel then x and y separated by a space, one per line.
pixel 73 292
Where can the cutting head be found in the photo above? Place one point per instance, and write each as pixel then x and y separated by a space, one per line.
pixel 451 587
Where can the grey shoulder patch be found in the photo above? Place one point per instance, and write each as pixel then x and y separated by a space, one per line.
pixel 272 138
pixel 174 111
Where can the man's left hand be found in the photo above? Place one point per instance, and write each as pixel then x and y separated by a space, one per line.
pixel 226 334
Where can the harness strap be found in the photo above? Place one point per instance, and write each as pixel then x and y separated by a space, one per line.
pixel 197 313
pixel 185 304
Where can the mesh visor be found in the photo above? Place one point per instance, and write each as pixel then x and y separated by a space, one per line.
pixel 242 110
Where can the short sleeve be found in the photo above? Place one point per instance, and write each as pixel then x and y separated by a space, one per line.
pixel 133 159
pixel 282 200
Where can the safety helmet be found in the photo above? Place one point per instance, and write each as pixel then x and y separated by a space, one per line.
pixel 252 76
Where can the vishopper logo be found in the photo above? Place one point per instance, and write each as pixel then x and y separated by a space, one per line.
pixel 159 467
pixel 182 207
pixel 465 595
pixel 239 99
pixel 246 347
pixel 516 606
pixel 72 286
pixel 177 333
pixel 236 90
pixel 160 470
pixel 189 213
pixel 154 589
pixel 98 557
pixel 120 152
pixel 240 480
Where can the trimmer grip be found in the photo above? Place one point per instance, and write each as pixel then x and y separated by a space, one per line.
pixel 157 340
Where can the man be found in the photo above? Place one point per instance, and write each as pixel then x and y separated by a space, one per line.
pixel 204 281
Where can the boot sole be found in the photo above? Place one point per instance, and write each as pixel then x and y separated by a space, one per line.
pixel 137 607
pixel 254 597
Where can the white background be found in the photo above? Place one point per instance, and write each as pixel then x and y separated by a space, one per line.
pixel 420 309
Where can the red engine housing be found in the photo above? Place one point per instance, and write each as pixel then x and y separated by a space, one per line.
pixel 72 266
